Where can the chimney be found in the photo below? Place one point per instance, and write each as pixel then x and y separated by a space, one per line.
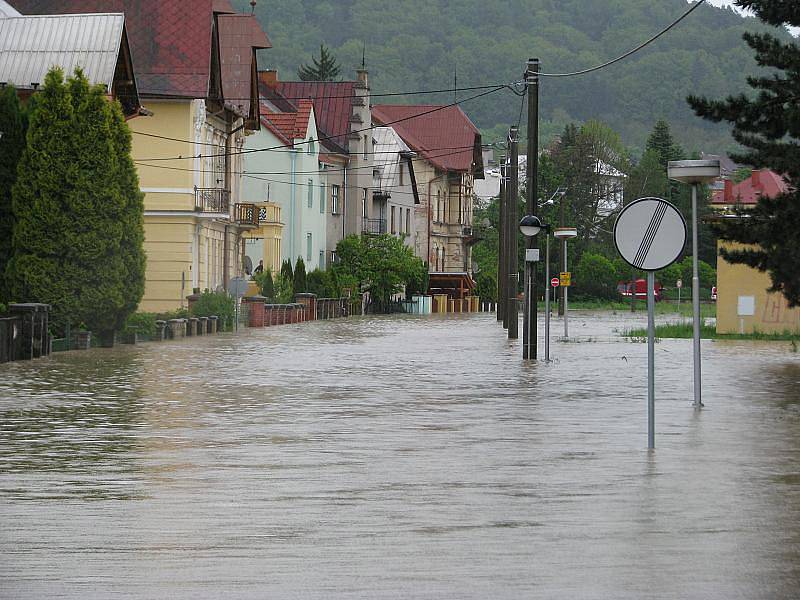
pixel 756 177
pixel 363 77
pixel 728 194
pixel 268 77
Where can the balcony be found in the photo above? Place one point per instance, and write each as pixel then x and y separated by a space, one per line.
pixel 373 226
pixel 212 200
pixel 246 215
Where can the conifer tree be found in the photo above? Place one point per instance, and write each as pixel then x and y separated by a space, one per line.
pixel 77 241
pixel 286 270
pixel 767 123
pixel 12 142
pixel 662 143
pixel 299 281
pixel 324 69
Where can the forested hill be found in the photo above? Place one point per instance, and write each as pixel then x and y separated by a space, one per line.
pixel 417 44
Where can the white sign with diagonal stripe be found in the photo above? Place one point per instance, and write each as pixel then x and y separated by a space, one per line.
pixel 650 234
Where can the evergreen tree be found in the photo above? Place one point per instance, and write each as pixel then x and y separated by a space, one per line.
pixel 12 143
pixel 324 69
pixel 286 270
pixel 662 143
pixel 73 202
pixel 299 281
pixel 768 125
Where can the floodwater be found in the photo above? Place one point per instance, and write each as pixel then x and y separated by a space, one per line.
pixel 400 457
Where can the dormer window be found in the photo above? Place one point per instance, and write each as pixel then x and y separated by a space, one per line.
pixel 311 146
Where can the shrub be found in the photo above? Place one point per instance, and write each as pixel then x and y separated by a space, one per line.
pixel 144 323
pixel 266 286
pixel 220 304
pixel 284 293
pixel 299 279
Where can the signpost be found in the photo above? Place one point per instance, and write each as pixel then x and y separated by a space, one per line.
pixel 679 285
pixel 564 234
pixel 565 279
pixel 649 235
pixel 237 287
pixel 555 282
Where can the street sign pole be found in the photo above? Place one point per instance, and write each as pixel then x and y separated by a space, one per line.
pixel 651 363
pixel 565 294
pixel 649 235
pixel 698 400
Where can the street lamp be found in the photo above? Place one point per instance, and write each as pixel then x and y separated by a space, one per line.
pixel 564 234
pixel 695 172
pixel 530 226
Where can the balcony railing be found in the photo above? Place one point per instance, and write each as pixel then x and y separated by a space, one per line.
pixel 212 200
pixel 246 214
pixel 373 226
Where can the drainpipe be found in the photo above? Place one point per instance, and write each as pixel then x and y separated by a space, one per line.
pixel 292 210
pixel 344 201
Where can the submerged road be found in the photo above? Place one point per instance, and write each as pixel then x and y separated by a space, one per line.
pixel 400 457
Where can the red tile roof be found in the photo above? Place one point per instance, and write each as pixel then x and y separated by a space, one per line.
pixel 170 39
pixel 761 183
pixel 288 126
pixel 238 36
pixel 446 137
pixel 333 105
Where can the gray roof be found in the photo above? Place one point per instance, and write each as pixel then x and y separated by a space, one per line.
pixel 31 45
pixel 6 10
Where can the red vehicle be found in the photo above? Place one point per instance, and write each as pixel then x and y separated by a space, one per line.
pixel 625 288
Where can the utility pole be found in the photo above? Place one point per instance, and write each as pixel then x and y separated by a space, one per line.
pixel 563 256
pixel 502 258
pixel 512 221
pixel 530 316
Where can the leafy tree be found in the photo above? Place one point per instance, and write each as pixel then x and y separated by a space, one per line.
pixel 324 69
pixel 768 125
pixel 381 264
pixel 12 143
pixel 299 281
pixel 595 277
pixel 77 241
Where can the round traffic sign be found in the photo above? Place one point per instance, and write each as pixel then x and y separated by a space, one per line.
pixel 650 234
pixel 555 282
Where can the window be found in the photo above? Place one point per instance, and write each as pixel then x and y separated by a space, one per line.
pixel 322 198
pixel 364 203
pixel 408 221
pixel 311 146
pixel 334 199
pixel 332 257
pixel 310 193
pixel 392 212
pixel 438 206
pixel 322 260
pixel 308 248
pixel 366 146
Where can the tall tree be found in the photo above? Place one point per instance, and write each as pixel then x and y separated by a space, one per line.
pixel 662 143
pixel 12 142
pixel 324 69
pixel 73 201
pixel 767 123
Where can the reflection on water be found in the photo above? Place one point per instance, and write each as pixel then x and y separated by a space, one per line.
pixel 400 457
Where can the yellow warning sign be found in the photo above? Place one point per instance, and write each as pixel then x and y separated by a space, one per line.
pixel 565 278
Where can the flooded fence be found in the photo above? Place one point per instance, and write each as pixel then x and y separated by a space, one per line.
pixel 25 332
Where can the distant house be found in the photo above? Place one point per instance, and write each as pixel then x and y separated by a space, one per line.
pixel 346 145
pixel 195 66
pixel 31 45
pixel 449 159
pixel 743 303
pixel 286 181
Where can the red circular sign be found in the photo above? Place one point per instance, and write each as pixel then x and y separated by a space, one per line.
pixel 555 281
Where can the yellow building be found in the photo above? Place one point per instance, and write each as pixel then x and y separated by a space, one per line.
pixel 195 69
pixel 745 306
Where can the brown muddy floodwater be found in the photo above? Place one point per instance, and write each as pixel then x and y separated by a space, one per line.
pixel 400 457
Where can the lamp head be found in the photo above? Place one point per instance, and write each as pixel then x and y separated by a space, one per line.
pixel 530 225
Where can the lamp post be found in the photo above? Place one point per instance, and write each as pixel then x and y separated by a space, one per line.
pixel 564 234
pixel 530 226
pixel 696 173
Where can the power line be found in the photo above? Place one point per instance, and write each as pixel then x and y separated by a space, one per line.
pixel 629 52
pixel 335 97
pixel 331 137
